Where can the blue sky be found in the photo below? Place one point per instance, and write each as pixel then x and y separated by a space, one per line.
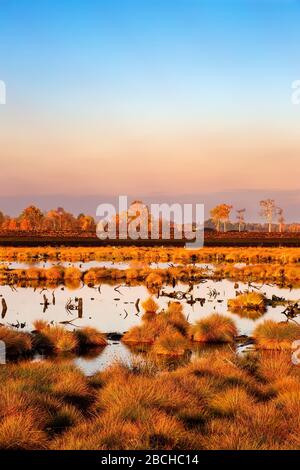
pixel 196 57
pixel 94 81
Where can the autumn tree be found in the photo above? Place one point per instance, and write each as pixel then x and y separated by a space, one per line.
pixel 86 223
pixel 220 214
pixel 2 218
pixel 12 224
pixel 24 225
pixel 240 215
pixel 33 217
pixel 59 220
pixel 268 211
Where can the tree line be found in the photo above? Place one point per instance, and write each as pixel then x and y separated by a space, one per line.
pixel 56 220
pixel 59 220
pixel 269 211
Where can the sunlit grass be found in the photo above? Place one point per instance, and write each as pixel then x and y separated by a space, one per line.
pixel 16 343
pixel 272 335
pixel 214 402
pixel 214 329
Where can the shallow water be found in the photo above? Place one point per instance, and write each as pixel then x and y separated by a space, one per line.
pixel 112 309
pixel 84 266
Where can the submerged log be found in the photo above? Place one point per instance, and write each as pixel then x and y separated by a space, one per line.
pixel 292 311
pixel 4 307
pixel 80 307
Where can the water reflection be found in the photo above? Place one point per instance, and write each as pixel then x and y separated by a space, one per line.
pixel 111 308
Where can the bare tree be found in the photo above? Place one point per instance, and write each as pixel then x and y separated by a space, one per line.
pixel 240 215
pixel 268 211
pixel 281 219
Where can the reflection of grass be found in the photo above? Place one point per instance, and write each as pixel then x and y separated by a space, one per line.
pixel 214 329
pixel 153 278
pixel 272 335
pixel 71 276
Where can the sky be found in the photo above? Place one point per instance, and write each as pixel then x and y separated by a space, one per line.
pixel 155 99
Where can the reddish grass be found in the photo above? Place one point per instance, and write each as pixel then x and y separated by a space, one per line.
pixel 272 335
pixel 214 329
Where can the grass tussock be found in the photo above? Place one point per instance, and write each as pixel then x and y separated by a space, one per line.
pixel 211 403
pixel 171 343
pixel 153 278
pixel 166 331
pixel 230 255
pixel 272 335
pixel 19 432
pixel 217 401
pixel 90 337
pixel 214 329
pixel 16 343
pixel 249 305
pixel 150 306
pixel 57 339
pixel 39 401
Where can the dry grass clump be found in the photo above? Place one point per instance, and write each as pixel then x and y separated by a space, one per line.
pixel 39 401
pixel 274 366
pixel 166 330
pixel 277 273
pixel 19 432
pixel 272 335
pixel 214 329
pixel 144 334
pixel 57 339
pixel 150 306
pixel 56 273
pixel 209 404
pixel 281 255
pixel 231 401
pixel 102 433
pixel 16 343
pixel 90 337
pixel 72 273
pixel 171 343
pixel 215 402
pixel 175 317
pixel 259 427
pixel 248 304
